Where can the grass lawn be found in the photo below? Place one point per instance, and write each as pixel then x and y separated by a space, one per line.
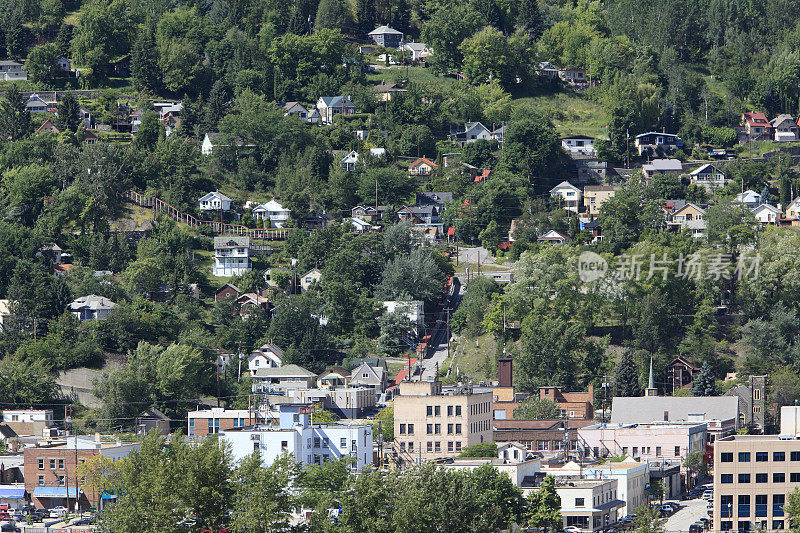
pixel 416 74
pixel 572 114
pixel 474 358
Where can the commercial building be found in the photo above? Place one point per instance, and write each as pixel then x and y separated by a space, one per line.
pixel 308 443
pixel 215 420
pixel 430 422
pixel 591 505
pixel 512 459
pixel 50 469
pixel 632 479
pixel 549 437
pixel 27 421
pixel 344 402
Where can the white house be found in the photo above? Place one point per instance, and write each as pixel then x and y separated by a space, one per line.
pixel 512 459
pixel 767 214
pixel 749 198
pixel 418 51
pixel 785 128
pixel 578 144
pixel 360 226
pixel 309 278
pixel 36 104
pixel 306 443
pixel 708 176
pixel 208 144
pixel 413 310
pixel 214 201
pixel 568 195
pixel 473 131
pixel 349 161
pixel 662 166
pixel 553 237
pixel 231 256
pixel 268 356
pixel 793 209
pixel 5 311
pixel 272 210
pixel 12 71
pixel 91 307
pixel 331 106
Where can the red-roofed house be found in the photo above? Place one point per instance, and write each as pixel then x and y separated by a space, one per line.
pixel 483 175
pixel 421 167
pixel 756 124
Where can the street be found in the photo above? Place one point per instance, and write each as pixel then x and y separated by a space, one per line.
pixel 439 355
pixel 690 512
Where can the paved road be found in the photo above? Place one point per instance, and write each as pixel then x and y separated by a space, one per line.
pixel 437 358
pixel 690 512
pixel 471 255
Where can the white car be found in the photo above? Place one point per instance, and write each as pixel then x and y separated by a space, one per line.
pixel 572 529
pixel 58 512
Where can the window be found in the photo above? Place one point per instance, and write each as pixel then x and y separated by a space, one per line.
pixel 449 410
pixel 726 457
pixel 437 410
pixel 778 477
pixel 726 479
pixel 658 451
pixel 41 481
pixel 429 446
pixel 624 450
pixel 343 442
pixel 458 410
pixel 795 456
pixel 437 446
pixel 757 394
pixel 449 429
pixel 458 445
pixel 744 457
pixel 726 506
pixel 761 505
pixel 402 429
pixel 726 525
pixel 430 429
pixel 410 446
pixel 744 505
pixel 437 429
pixel 635 451
pixel 458 429
pixel 429 411
pixel 41 464
pixel 326 443
pixel 402 446
pixel 794 477
pixel 777 524
pixel 761 457
pixel 52 464
pixel 255 446
pixel 777 504
pixel 744 478
pixel 316 442
pixel 60 480
pixel 778 456
pixel 61 464
pixel 579 502
pixel 762 478
pixel 677 451
pixel 449 446
pixel 411 429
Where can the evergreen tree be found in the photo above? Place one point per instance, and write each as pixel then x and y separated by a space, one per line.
pixel 626 377
pixel 15 40
pixel 333 14
pixel 63 38
pixel 529 18
pixel 144 60
pixel 69 113
pixel 218 101
pixel 15 120
pixel 365 13
pixel 704 384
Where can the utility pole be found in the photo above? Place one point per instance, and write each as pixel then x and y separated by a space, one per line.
pixel 627 149
pixel 218 368
pixel 447 331
pixel 376 199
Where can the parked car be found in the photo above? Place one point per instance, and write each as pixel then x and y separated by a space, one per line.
pixel 708 495
pixel 697 527
pixel 10 528
pixel 572 529
pixel 58 512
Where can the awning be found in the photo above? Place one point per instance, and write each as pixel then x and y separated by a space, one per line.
pixel 109 497
pixel 55 492
pixel 12 492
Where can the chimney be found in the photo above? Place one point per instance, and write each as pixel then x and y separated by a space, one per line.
pixel 505 372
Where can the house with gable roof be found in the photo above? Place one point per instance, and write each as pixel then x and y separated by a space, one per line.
pixel 331 106
pixel 471 132
pixel 707 176
pixel 386 36
pixel 756 125
pixel 214 201
pixel 272 211
pixel 569 196
pixel 231 256
pixel 267 356
pixel 784 128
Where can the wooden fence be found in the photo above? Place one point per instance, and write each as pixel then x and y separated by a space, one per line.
pixel 220 228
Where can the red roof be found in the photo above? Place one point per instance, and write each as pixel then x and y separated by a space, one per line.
pixel 485 174
pixel 451 231
pixel 423 160
pixel 756 119
pixel 504 245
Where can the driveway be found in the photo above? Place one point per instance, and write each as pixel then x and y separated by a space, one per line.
pixel 437 358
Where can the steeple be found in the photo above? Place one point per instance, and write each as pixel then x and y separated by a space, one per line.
pixel 651 390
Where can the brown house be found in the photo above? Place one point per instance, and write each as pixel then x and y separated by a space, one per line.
pixel 48 127
pixel 227 291
pixel 540 435
pixel 679 374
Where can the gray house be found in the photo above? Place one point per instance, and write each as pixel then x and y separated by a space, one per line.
pixel 386 36
pixel 366 375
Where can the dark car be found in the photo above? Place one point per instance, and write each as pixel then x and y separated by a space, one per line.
pixel 9 527
pixel 697 527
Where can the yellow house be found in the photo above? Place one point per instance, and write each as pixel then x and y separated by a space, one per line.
pixel 421 167
pixel 594 196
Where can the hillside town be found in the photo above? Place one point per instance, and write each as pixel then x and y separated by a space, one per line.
pixel 395 266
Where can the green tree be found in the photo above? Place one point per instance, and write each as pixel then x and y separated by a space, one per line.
pixel 102 35
pixel 705 383
pixel 41 63
pixel 416 276
pixel 144 60
pixel 447 28
pixel 69 113
pixel 15 120
pixel 531 146
pixel 262 500
pixel 386 418
pixel 648 520
pixel 792 509
pixel 487 56
pixel 26 382
pixel 544 506
pixel 626 377
pixel 484 449
pixel 179 39
pixel 27 187
pixel 333 14
pixel 529 18
pixel 535 408
pixel 148 132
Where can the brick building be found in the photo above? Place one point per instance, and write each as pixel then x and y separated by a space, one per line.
pixel 214 420
pixel 50 469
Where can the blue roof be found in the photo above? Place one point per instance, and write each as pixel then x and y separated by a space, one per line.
pixel 54 492
pixel 6 492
